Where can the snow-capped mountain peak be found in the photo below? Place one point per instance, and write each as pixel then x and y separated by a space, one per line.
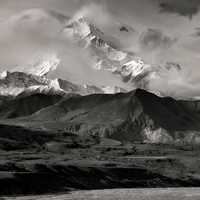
pixel 134 68
pixel 81 27
pixel 17 83
pixel 45 65
pixel 4 74
pixel 113 90
pixel 104 54
pixel 41 66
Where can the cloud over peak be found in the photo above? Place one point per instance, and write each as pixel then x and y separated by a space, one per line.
pixel 154 38
pixel 187 8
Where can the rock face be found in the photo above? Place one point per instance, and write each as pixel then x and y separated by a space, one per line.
pixel 138 116
pixel 103 52
pixel 20 83
pixel 13 83
pixel 106 56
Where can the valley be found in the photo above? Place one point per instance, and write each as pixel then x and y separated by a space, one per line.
pixel 37 162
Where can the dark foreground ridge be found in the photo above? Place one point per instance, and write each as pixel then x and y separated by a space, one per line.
pixel 24 106
pixel 59 178
pixel 36 162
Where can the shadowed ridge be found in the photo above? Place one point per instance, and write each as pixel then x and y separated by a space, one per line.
pixel 168 112
pixel 27 105
pixel 135 116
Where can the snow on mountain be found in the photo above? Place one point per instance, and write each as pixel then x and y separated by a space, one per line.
pixel 127 67
pixel 41 66
pixel 113 90
pixel 3 74
pixel 18 83
pixel 13 83
pixel 84 89
pixel 103 52
pixel 133 67
pixel 105 56
pixel 44 65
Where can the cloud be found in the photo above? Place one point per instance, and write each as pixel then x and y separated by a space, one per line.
pixel 25 34
pixel 197 32
pixel 22 39
pixel 172 80
pixel 187 8
pixel 153 39
pixel 96 13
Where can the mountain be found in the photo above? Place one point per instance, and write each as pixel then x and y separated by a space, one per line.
pixel 137 116
pixel 124 70
pixel 13 83
pixel 41 66
pixel 23 84
pixel 20 83
pixel 125 66
pixel 88 89
pixel 103 51
pixel 163 73
pixel 23 106
pixel 113 90
pixel 79 89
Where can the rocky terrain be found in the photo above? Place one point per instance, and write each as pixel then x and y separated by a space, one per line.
pixel 128 140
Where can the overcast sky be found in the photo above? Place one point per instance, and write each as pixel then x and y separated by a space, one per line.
pixel 164 30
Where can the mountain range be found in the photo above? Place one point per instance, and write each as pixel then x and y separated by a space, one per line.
pixel 104 55
pixel 137 116
pixel 97 96
pixel 20 83
pixel 31 98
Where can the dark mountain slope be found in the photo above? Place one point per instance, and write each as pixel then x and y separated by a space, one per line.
pixel 169 113
pixel 135 116
pixel 27 105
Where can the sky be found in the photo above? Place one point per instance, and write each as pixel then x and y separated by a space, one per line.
pixel 163 31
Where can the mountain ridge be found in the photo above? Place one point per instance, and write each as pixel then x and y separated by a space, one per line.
pixel 105 55
pixel 137 116
pixel 127 68
pixel 20 83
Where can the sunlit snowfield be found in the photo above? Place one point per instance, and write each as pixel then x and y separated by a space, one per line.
pixel 122 194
